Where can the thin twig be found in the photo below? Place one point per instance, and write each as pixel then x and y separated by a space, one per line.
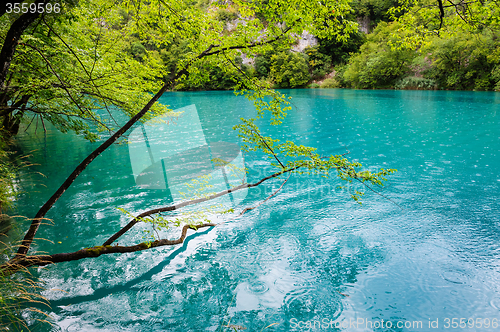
pixel 137 219
pixel 260 203
pixel 268 147
pixel 376 192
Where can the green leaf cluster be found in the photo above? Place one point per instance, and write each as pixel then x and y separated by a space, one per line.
pixel 319 63
pixel 376 10
pixel 415 53
pixel 289 157
pixel 464 62
pixel 289 69
pixel 378 65
pixel 74 65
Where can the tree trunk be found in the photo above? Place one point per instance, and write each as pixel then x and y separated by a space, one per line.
pixel 12 39
pixel 11 124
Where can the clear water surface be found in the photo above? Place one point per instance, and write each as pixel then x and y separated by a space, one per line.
pixel 308 259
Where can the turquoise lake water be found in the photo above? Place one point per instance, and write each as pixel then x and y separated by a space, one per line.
pixel 308 257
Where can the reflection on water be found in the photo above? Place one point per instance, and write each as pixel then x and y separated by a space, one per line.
pixel 307 254
pixel 171 154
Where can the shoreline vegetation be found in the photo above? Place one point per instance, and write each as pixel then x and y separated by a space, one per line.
pixel 385 53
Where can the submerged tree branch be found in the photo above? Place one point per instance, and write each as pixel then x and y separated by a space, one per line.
pixel 41 260
pixel 92 252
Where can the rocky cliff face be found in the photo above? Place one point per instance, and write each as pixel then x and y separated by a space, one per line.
pixel 304 41
pixel 364 24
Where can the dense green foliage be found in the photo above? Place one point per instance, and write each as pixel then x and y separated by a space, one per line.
pixel 289 69
pixel 7 176
pixel 340 51
pixel 67 69
pixel 426 48
pixel 17 293
pixel 410 47
pixel 378 65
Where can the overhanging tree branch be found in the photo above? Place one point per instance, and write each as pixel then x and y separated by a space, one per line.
pixel 252 45
pixel 30 234
pixel 41 260
pixel 314 165
pixel 137 219
pixel 28 238
pixel 441 12
pixel 245 210
pixel 21 102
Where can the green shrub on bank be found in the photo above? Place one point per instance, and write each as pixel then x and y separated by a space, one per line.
pixel 262 64
pixel 339 75
pixel 319 63
pixel 226 15
pixel 330 83
pixel 289 69
pixel 377 65
pixel 416 83
pixel 7 175
pixel 464 62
